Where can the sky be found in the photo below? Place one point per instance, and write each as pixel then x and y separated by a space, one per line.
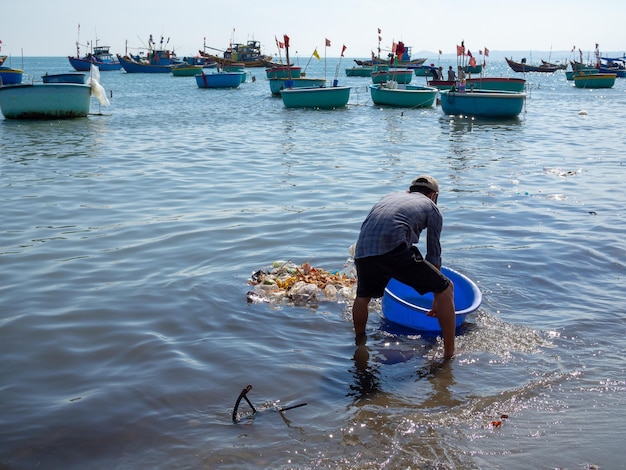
pixel 51 28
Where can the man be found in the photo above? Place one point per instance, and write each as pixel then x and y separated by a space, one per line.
pixel 385 249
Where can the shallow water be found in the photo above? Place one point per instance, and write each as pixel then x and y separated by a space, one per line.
pixel 128 239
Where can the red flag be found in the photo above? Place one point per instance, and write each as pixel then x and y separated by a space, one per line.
pixel 327 42
pixel 469 53
pixel 400 48
pixel 460 50
pixel 379 39
pixel 440 52
pixel 343 49
pixel 379 31
pixel 393 47
pixel 486 52
pixel 281 45
pixel 286 40
pixel 472 62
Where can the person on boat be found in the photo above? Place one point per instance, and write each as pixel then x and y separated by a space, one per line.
pixel 386 248
pixel 451 74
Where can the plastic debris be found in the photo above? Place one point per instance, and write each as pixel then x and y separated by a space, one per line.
pixel 301 284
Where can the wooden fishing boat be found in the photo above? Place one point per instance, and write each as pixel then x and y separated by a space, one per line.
pixel 319 98
pixel 218 79
pixel 408 96
pixel 249 53
pixel 156 61
pixel 403 305
pixel 283 71
pixel 523 67
pixel 10 76
pixel 594 80
pixel 483 103
pixel 279 84
pixel 400 75
pixel 45 100
pixel 360 71
pixel 100 56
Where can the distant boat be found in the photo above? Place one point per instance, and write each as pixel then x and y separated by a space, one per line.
pixel 156 61
pixel 283 71
pixel 495 83
pixel 10 76
pixel 248 53
pixel 320 98
pixel 100 57
pixel 524 67
pixel 45 100
pixel 400 75
pixel 360 71
pixel 483 103
pixel 409 96
pixel 279 84
pixel 218 79
pixel 594 80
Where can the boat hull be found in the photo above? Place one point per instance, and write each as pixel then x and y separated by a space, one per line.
pixel 522 67
pixel 483 103
pixel 186 70
pixel 322 98
pixel 363 71
pixel 595 80
pixel 409 96
pixel 403 305
pixel 403 76
pixel 84 65
pixel 132 66
pixel 9 76
pixel 65 78
pixel 219 79
pixel 45 101
pixel 283 71
pixel 496 83
pixel 279 84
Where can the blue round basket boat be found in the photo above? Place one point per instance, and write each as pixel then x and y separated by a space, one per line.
pixel 403 305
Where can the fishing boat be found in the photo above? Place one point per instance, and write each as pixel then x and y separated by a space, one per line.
pixel 409 96
pixel 403 305
pixel 249 53
pixel 523 67
pixel 100 56
pixel 283 71
pixel 399 75
pixel 68 77
pixel 52 99
pixel 218 79
pixel 495 83
pixel 316 97
pixel 584 79
pixel 360 71
pixel 279 84
pixel 10 76
pixel 483 103
pixel 156 61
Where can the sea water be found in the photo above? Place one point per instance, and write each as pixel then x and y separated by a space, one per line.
pixel 129 237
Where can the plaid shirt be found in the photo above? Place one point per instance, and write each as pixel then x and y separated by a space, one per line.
pixel 398 219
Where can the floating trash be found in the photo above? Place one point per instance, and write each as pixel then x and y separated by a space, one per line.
pixel 301 284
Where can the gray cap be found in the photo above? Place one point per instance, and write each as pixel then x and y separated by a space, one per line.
pixel 424 181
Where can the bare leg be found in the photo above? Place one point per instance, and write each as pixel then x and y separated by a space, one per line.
pixel 359 314
pixel 447 320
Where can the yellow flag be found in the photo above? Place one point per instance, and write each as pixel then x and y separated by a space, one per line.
pixel 315 54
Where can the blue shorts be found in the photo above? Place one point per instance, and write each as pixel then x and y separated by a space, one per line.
pixel 404 264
